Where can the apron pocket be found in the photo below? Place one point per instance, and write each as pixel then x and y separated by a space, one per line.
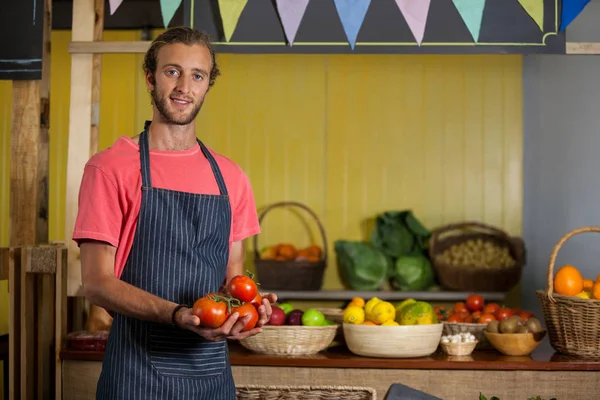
pixel 180 353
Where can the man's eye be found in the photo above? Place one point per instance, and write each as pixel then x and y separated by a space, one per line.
pixel 197 76
pixel 171 72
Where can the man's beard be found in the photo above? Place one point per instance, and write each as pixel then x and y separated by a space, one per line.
pixel 161 102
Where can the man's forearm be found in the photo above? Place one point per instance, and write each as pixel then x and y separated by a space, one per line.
pixel 120 297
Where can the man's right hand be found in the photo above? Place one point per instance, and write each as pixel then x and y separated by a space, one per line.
pixel 231 328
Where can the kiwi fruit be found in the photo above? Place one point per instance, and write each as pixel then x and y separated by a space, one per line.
pixel 534 325
pixel 492 326
pixel 523 329
pixel 510 324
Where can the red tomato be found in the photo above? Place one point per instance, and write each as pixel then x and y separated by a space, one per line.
pixel 486 318
pixel 491 308
pixel 244 310
pixel 243 288
pixel 454 318
pixel 257 301
pixel 476 315
pixel 212 313
pixel 458 307
pixel 525 315
pixel 503 313
pixel 474 303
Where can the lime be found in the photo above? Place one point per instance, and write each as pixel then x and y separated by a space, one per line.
pixel 286 307
pixel 312 317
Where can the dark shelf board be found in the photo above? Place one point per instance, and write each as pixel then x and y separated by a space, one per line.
pixel 285 295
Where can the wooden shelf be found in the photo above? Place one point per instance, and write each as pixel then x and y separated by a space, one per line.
pixel 123 47
pixel 443 296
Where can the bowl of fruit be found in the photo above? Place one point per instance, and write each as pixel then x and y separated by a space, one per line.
pixel 293 332
pixel 381 329
pixel 515 337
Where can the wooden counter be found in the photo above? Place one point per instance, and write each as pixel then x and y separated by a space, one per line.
pixel 543 373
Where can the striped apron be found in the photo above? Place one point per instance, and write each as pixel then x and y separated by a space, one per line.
pixel 180 253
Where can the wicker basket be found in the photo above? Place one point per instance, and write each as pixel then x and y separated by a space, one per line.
pixel 291 340
pixel 290 275
pixel 472 278
pixel 335 315
pixel 454 328
pixel 573 323
pixel 261 392
pixel 458 349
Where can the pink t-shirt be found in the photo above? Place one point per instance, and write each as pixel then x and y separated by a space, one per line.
pixel 110 194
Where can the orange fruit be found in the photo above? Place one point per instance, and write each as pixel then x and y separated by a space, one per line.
pixel 568 281
pixel 595 292
pixel 587 284
pixel 368 323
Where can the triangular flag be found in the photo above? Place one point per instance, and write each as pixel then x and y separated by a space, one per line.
pixel 114 4
pixel 570 10
pixel 291 13
pixel 352 13
pixel 471 12
pixel 415 13
pixel 535 9
pixel 230 15
pixel 167 9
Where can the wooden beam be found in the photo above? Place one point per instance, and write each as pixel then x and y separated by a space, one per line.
pixel 80 47
pixel 140 47
pixel 583 48
pixel 80 121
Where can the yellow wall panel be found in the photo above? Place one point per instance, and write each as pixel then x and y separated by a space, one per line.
pixel 348 135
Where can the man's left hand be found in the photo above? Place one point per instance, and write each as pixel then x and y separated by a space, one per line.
pixel 264 310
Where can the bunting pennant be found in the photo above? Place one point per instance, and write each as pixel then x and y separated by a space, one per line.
pixel 535 9
pixel 570 10
pixel 471 11
pixel 352 13
pixel 415 13
pixel 167 9
pixel 291 13
pixel 230 15
pixel 114 4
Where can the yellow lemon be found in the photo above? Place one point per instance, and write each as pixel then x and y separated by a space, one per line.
pixel 357 301
pixel 382 312
pixel 390 323
pixel 369 306
pixel 354 315
pixel 584 295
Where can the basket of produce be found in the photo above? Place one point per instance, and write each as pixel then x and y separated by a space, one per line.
pixel 263 392
pixel 284 267
pixel 297 333
pixel 476 257
pixel 461 344
pixel 571 306
pixel 515 336
pixel 380 329
pixel 473 315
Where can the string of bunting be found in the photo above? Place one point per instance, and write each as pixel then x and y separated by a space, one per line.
pixel 352 14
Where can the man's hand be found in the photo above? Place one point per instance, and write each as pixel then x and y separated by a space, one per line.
pixel 233 325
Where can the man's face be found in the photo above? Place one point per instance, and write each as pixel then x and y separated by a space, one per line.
pixel 181 82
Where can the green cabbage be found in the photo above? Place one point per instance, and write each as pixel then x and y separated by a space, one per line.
pixel 361 265
pixel 412 273
pixel 399 233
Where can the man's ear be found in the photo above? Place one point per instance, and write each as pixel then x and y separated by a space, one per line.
pixel 150 81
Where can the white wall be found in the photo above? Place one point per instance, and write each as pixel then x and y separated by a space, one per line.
pixel 562 157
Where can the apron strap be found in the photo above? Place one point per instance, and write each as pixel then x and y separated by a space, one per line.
pixel 215 168
pixel 145 156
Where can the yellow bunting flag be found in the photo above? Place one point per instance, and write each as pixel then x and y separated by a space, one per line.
pixel 535 9
pixel 230 14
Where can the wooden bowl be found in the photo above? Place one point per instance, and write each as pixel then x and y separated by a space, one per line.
pixel 402 341
pixel 458 349
pixel 515 344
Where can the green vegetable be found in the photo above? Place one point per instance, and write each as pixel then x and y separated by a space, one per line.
pixel 398 233
pixel 412 273
pixel 362 266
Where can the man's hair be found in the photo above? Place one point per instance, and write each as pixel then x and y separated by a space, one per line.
pixel 185 36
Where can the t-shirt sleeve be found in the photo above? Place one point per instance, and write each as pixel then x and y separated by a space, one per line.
pixel 99 215
pixel 245 218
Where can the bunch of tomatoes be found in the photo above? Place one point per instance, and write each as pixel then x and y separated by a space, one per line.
pixel 240 295
pixel 475 310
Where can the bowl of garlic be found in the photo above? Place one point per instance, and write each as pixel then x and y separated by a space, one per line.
pixel 460 344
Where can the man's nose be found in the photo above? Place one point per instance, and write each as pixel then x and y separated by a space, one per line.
pixel 183 84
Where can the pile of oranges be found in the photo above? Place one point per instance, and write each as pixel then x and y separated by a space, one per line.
pixel 569 281
pixel 288 252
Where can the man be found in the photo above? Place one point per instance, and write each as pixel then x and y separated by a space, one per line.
pixel 161 223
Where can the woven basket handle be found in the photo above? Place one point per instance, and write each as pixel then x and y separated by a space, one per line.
pixel 557 247
pixel 294 204
pixel 477 226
